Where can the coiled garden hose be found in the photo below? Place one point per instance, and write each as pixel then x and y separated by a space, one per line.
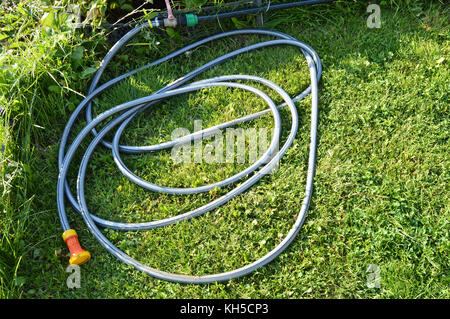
pixel 124 114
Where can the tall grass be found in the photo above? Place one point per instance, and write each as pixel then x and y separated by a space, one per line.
pixel 38 64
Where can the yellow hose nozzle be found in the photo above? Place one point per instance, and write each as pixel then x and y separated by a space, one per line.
pixel 78 255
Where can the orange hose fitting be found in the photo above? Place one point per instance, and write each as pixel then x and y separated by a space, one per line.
pixel 78 255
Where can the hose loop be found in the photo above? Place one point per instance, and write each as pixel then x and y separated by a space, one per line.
pixel 124 113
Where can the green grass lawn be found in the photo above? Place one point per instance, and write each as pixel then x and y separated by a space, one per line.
pixel 381 186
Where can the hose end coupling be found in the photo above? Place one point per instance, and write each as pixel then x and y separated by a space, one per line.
pixel 78 255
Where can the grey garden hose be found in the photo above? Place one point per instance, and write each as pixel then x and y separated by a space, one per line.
pixel 127 111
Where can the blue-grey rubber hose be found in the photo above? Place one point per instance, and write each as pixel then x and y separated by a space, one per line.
pixel 124 113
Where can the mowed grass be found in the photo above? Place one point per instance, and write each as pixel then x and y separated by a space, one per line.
pixel 381 183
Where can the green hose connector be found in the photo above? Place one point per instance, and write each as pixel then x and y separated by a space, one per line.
pixel 191 20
